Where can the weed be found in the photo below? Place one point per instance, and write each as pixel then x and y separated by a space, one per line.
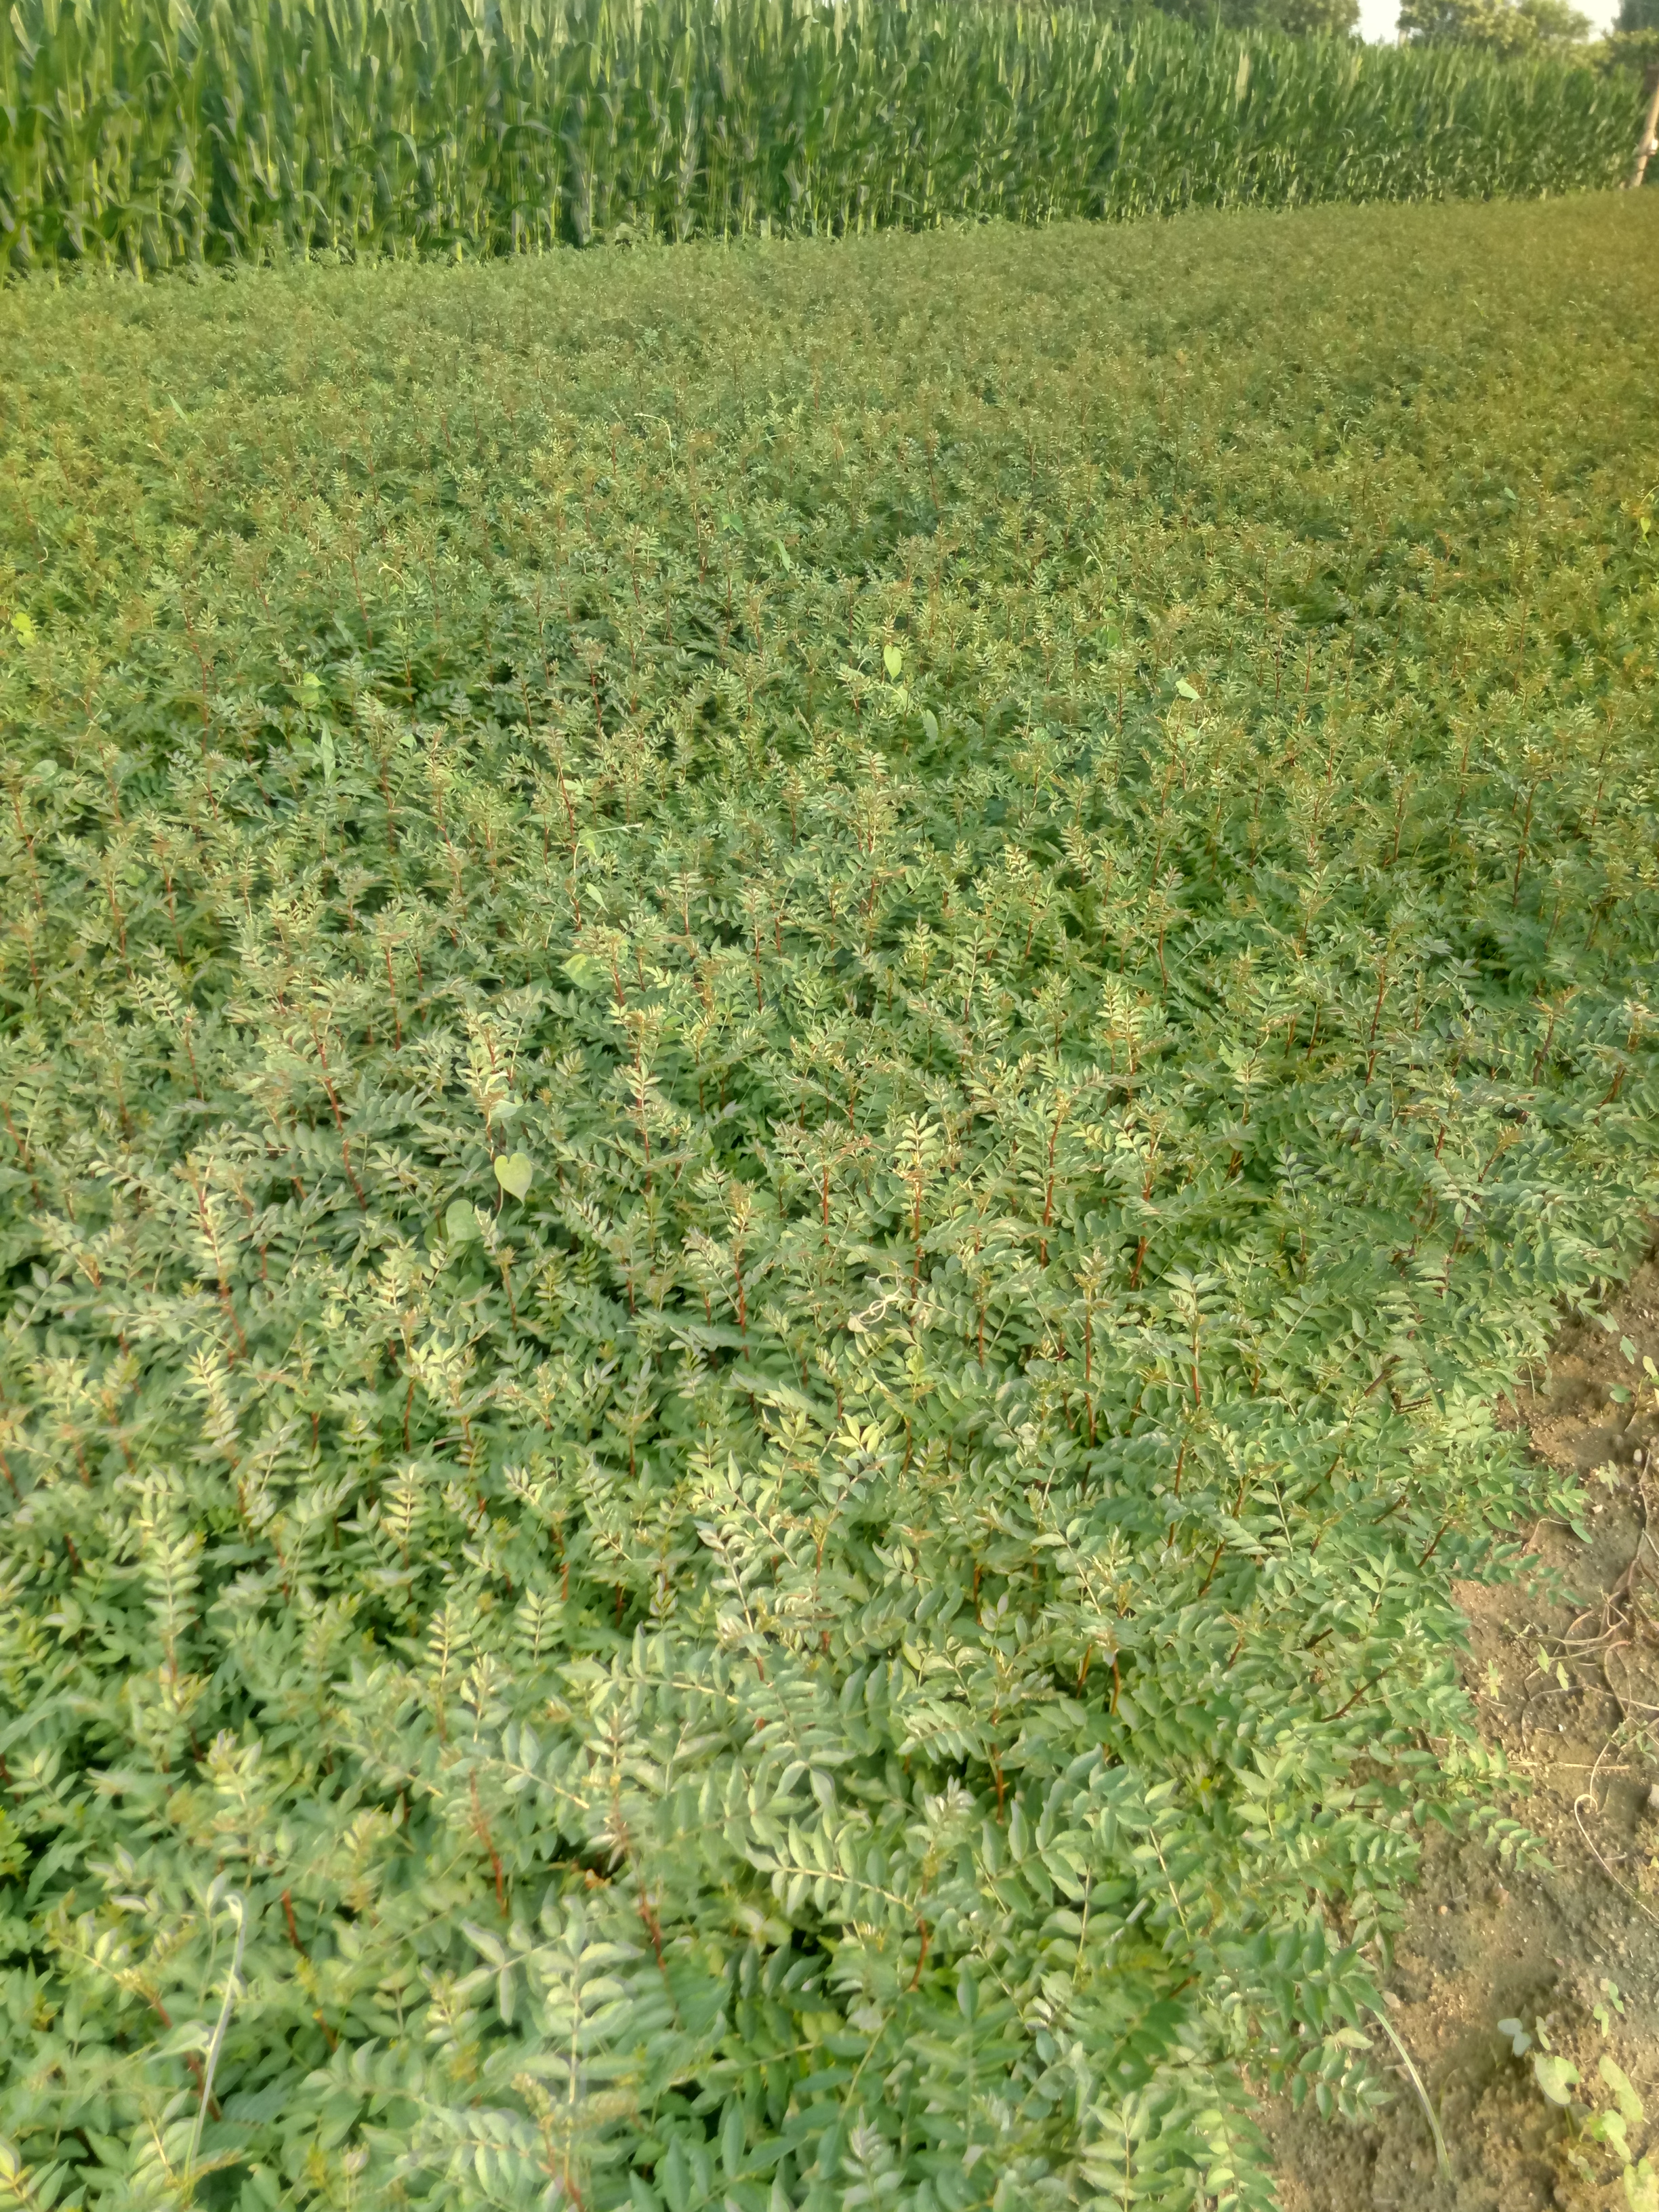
pixel 1590 2135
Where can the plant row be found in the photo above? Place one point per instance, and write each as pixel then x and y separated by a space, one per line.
pixel 149 133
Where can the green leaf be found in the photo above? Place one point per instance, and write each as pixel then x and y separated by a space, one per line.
pixel 516 1172
pixel 1630 2107
pixel 732 2138
pixel 893 661
pixel 1609 2128
pixel 674 2177
pixel 1554 2075
pixel 588 972
pixel 460 1222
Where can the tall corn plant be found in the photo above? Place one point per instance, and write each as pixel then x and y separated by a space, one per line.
pixel 155 132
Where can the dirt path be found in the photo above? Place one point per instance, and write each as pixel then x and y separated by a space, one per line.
pixel 1567 1682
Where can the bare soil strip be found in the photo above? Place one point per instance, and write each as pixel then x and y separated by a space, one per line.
pixel 1564 1665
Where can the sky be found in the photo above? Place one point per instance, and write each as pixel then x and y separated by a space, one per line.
pixel 1377 17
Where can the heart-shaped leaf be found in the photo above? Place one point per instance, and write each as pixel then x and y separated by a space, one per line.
pixel 1184 690
pixel 1609 2128
pixel 1554 2075
pixel 930 725
pixel 1630 2107
pixel 587 972
pixel 514 1172
pixel 893 660
pixel 460 1222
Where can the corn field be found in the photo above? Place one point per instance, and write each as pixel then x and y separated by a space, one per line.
pixel 139 133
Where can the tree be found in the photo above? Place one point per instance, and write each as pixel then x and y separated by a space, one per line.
pixel 1506 27
pixel 1633 42
pixel 1306 18
pixel 1302 18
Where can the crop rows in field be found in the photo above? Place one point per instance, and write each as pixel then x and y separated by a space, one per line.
pixel 146 132
pixel 790 1039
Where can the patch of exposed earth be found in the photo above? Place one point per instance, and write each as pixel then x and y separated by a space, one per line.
pixel 1565 1668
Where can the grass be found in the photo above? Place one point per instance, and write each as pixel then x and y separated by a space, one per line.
pixel 147 134
pixel 792 1037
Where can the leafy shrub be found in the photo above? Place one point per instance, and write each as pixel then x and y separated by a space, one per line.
pixel 140 132
pixel 790 1039
pixel 1504 26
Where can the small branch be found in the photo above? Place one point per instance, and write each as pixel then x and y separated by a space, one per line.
pixel 1416 2080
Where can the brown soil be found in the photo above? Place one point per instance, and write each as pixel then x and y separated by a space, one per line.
pixel 1482 1943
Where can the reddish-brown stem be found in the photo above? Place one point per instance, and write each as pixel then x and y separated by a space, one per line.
pixel 481 1829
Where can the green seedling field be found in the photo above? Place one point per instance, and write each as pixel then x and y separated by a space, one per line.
pixel 793 1038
